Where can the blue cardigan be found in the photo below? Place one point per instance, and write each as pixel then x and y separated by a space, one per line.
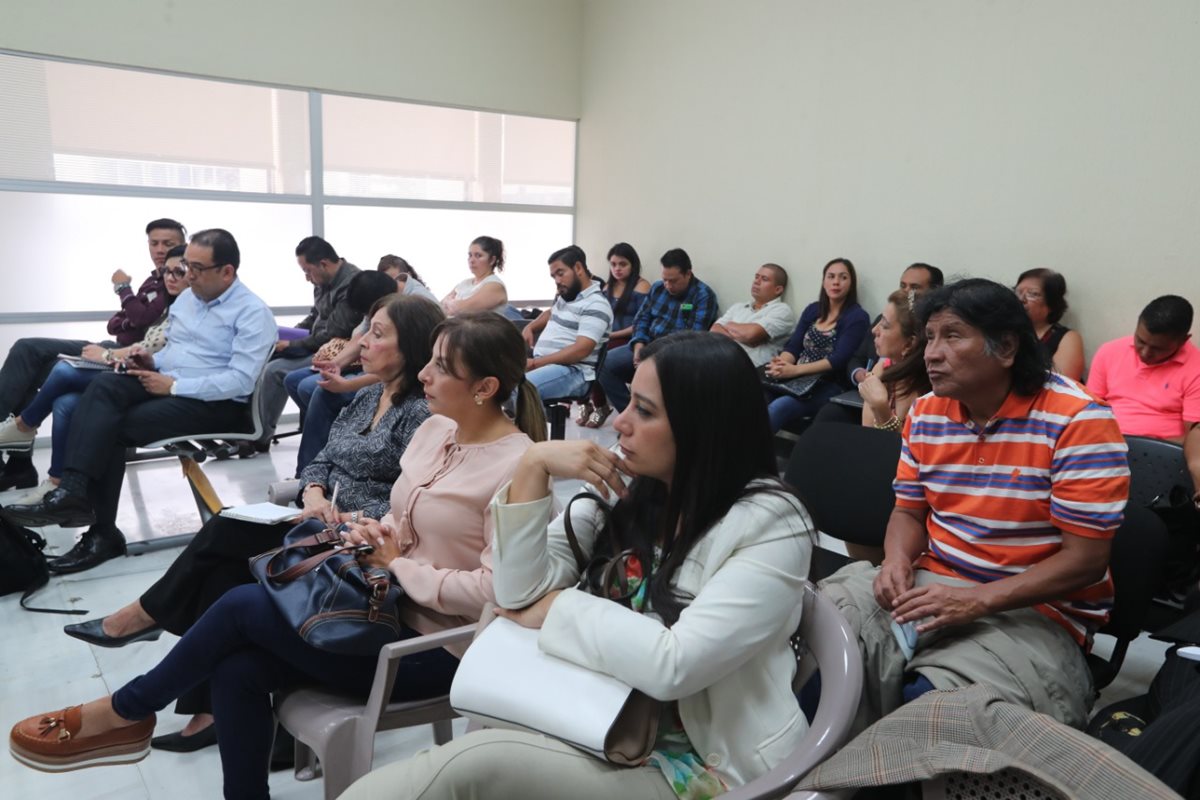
pixel 851 327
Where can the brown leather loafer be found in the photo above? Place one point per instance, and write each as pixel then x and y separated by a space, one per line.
pixel 50 742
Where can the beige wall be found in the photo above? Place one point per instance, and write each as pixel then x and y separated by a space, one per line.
pixel 984 137
pixel 516 55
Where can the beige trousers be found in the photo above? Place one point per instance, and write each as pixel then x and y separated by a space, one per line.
pixel 508 764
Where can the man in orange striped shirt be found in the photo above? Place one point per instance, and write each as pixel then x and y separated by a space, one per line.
pixel 1011 483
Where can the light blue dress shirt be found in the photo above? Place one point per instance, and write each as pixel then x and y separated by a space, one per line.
pixel 216 350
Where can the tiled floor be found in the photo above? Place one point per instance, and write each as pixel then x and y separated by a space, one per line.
pixel 41 669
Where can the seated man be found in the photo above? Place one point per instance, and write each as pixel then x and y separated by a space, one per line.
pixel 763 325
pixel 678 302
pixel 330 318
pixel 220 335
pixel 573 331
pixel 1011 483
pixel 30 360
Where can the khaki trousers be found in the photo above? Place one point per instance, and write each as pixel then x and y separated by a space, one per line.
pixel 505 765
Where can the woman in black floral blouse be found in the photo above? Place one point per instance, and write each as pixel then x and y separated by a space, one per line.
pixel 362 459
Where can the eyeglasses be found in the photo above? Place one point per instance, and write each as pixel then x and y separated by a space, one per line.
pixel 176 272
pixel 1032 295
pixel 198 267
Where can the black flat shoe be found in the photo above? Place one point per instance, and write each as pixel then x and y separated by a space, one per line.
pixel 96 546
pixel 178 743
pixel 92 632
pixel 59 507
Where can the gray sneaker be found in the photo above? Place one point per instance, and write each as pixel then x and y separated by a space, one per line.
pixel 13 438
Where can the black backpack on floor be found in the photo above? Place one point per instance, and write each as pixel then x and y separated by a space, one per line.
pixel 23 564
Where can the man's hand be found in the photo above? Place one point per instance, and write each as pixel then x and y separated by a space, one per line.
pixel 637 353
pixel 892 581
pixel 94 352
pixel 153 382
pixel 527 335
pixel 940 606
pixel 530 364
pixel 281 345
pixel 121 276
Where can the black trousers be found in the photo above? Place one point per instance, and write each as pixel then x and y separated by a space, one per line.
pixel 26 367
pixel 115 412
pixel 214 562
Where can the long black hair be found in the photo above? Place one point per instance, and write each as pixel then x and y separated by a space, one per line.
pixel 625 251
pixel 723 442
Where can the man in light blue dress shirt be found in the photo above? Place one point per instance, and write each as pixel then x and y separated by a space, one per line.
pixel 218 339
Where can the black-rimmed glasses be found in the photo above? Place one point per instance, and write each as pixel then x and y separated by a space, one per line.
pixel 193 267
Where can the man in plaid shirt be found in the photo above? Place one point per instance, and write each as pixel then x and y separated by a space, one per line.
pixel 678 302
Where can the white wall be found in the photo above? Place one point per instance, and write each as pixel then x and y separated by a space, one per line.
pixel 516 55
pixel 983 137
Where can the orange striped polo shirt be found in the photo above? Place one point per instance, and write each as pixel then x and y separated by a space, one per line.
pixel 1000 497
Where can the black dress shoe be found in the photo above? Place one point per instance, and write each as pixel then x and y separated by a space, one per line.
pixel 57 508
pixel 96 546
pixel 178 743
pixel 92 632
pixel 19 473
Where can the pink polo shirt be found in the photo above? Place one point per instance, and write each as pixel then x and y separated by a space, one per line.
pixel 1159 401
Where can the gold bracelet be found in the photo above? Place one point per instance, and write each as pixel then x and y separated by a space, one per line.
pixel 893 424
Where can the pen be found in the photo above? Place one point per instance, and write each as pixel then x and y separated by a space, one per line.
pixel 333 500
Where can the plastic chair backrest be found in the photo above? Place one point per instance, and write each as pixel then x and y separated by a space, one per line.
pixel 844 475
pixel 1155 466
pixel 1139 552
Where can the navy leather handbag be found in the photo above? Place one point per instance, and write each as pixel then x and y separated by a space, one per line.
pixel 332 600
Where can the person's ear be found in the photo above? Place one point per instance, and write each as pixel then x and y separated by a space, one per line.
pixel 485 389
pixel 1007 351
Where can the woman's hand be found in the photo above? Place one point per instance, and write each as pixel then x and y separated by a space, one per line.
pixel 317 506
pixel 532 616
pixel 875 394
pixel 94 352
pixel 781 366
pixel 335 383
pixel 327 367
pixel 385 542
pixel 581 459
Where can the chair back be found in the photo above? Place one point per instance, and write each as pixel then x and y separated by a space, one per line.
pixel 844 475
pixel 1139 555
pixel 826 636
pixel 1155 467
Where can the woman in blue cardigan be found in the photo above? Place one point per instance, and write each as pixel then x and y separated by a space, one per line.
pixel 829 332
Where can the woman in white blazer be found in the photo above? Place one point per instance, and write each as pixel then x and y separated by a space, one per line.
pixel 708 632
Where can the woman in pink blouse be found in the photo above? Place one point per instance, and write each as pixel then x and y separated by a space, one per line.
pixel 436 540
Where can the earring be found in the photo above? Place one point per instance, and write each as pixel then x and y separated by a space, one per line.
pixel 478 402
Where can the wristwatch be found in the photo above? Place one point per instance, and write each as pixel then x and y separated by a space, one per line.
pixel 174 388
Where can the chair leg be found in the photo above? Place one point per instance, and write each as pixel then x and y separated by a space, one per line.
pixel 207 501
pixel 443 731
pixel 308 766
pixel 558 420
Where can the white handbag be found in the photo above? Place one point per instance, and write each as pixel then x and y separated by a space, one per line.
pixel 506 681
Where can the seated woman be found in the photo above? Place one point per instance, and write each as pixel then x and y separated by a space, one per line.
pixel 363 458
pixel 727 549
pixel 626 290
pixel 406 278
pixel 894 383
pixel 62 388
pixel 1043 292
pixel 483 291
pixel 322 393
pixel 436 540
pixel 829 332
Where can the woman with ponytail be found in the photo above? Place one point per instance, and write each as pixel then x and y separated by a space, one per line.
pixel 436 540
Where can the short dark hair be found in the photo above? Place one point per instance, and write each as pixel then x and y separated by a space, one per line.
pixel 167 224
pixel 494 248
pixel 396 262
pixel 1054 291
pixel 314 250
pixel 1170 315
pixel 781 276
pixel 569 255
pixel 177 251
pixel 365 288
pixel 936 278
pixel 677 258
pixel 997 313
pixel 224 246
pixel 823 302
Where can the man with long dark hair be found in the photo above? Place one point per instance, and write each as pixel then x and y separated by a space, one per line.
pixel 1011 483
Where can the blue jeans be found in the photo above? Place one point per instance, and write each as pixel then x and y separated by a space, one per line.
pixel 64 407
pixel 63 379
pixel 615 376
pixel 783 409
pixel 319 407
pixel 247 650
pixel 556 381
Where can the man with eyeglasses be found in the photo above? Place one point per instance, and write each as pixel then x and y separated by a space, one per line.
pixel 200 383
pixel 30 360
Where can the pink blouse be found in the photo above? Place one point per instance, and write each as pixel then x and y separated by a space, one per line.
pixel 442 501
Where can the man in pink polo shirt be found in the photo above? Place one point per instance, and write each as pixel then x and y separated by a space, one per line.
pixel 1152 379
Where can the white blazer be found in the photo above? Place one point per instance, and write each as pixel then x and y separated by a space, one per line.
pixel 727 660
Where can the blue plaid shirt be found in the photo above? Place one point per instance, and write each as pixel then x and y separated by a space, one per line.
pixel 662 313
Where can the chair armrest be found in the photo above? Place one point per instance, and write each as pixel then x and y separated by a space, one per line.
pixel 389 662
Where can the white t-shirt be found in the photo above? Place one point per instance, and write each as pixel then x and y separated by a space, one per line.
pixel 469 287
pixel 775 317
pixel 587 315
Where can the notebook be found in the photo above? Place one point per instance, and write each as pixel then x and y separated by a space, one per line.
pixel 262 513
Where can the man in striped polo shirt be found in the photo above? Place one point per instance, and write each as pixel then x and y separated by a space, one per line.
pixel 573 331
pixel 1011 483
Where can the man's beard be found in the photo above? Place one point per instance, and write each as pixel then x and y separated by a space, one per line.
pixel 569 293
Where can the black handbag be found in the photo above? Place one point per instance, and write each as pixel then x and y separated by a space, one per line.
pixel 23 565
pixel 331 599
